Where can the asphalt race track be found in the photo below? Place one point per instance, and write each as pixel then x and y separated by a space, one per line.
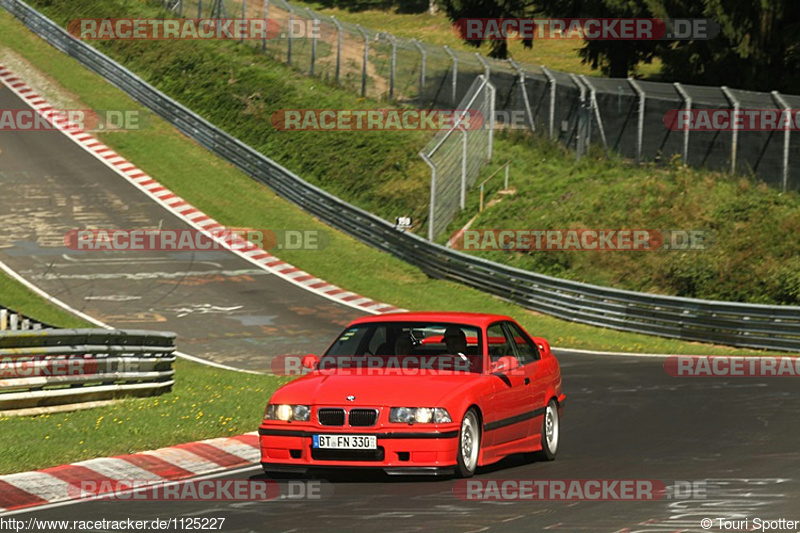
pixel 625 418
pixel 223 308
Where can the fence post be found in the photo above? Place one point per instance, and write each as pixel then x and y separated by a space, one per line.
pixel 454 83
pixel 464 148
pixel 490 96
pixel 199 9
pixel 735 137
pixel 244 16
pixel 787 132
pixel 526 103
pixel 266 21
pixel 687 102
pixel 338 47
pixel 581 127
pixel 393 63
pixel 3 319
pixel 552 114
pixel 486 69
pixel 423 57
pixel 431 213
pixel 180 8
pixel 366 59
pixel 289 35
pixel 593 96
pixel 640 127
pixel 315 30
pixel 505 180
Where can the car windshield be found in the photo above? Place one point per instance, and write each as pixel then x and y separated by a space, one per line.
pixel 407 344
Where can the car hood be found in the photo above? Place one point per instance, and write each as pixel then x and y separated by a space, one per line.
pixel 372 390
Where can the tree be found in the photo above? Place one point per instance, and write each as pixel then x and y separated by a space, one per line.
pixel 492 9
pixel 758 47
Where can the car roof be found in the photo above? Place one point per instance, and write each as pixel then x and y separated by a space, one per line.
pixel 474 319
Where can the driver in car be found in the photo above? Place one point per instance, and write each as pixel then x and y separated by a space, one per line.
pixel 456 341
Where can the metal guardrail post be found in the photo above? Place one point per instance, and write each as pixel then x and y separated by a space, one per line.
pixel 366 60
pixel 552 112
pixel 526 103
pixel 687 102
pixel 735 137
pixel 454 82
pixel 338 47
pixel 640 124
pixel 423 58
pixel 593 96
pixel 431 211
pixel 787 133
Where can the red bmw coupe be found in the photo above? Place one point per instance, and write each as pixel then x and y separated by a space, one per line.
pixel 418 393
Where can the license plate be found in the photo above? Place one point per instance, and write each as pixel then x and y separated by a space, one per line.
pixel 346 442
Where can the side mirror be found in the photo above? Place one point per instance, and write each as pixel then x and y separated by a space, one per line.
pixel 504 364
pixel 310 361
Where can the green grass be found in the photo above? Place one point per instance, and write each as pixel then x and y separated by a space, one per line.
pixel 19 298
pixel 752 253
pixel 234 199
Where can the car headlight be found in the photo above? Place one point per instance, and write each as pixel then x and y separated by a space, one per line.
pixel 286 412
pixel 422 415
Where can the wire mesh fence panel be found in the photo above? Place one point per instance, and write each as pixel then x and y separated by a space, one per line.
pixel 327 50
pixel 759 151
pixel 380 78
pixel 792 153
pixel 280 14
pixel 469 68
pixel 438 88
pixel 409 69
pixel 352 60
pixel 538 90
pixel 302 33
pixel 457 155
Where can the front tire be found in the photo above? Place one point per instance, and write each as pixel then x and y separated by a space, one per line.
pixel 551 432
pixel 469 445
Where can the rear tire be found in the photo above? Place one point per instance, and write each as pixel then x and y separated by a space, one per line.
pixel 469 445
pixel 551 432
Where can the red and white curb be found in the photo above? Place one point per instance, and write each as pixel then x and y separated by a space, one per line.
pixel 57 484
pixel 185 211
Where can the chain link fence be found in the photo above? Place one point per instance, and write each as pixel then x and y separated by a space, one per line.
pixel 625 116
pixel 457 155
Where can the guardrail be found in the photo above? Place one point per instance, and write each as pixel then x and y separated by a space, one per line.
pixel 52 367
pixel 743 325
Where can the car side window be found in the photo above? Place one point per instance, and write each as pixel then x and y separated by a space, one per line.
pixel 497 342
pixel 526 348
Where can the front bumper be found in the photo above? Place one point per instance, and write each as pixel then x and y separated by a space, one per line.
pixel 411 452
